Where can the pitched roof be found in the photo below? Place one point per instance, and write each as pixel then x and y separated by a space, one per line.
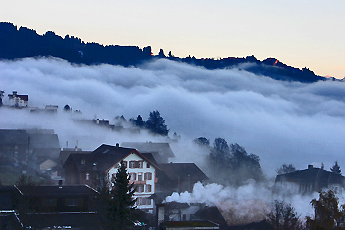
pixel 23 96
pixel 44 141
pixel 65 154
pixel 161 148
pixel 312 176
pixel 13 137
pixel 183 171
pixel 56 191
pixel 105 157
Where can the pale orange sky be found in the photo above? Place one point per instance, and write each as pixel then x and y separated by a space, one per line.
pixel 298 33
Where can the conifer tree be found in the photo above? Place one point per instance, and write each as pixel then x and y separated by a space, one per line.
pixel 121 204
pixel 156 124
pixel 335 168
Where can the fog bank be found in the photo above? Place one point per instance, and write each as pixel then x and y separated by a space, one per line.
pixel 281 122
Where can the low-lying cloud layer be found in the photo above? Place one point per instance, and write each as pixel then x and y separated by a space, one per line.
pixel 282 122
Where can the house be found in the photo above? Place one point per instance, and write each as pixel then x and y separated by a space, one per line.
pixel 19 145
pixel 14 145
pixel 161 151
pixel 188 225
pixel 44 144
pixel 104 162
pixel 179 177
pixel 65 152
pixel 49 109
pixel 61 198
pixel 8 218
pixel 309 180
pixel 18 100
pixel 57 207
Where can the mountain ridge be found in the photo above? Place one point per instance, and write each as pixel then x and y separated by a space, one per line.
pixel 24 42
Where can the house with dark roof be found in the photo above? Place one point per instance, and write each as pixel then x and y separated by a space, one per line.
pixel 62 198
pixel 104 162
pixel 14 145
pixel 56 207
pixel 161 151
pixel 309 180
pixel 179 177
pixel 18 100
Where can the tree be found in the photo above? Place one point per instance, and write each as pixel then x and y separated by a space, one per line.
pixel 335 168
pixel 220 149
pixel 233 165
pixel 161 53
pixel 156 124
pixel 327 212
pixel 138 122
pixel 25 180
pixel 286 168
pixel 121 209
pixel 283 216
pixel 202 141
pixel 25 204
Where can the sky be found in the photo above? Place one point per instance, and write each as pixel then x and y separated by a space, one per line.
pixel 281 122
pixel 298 33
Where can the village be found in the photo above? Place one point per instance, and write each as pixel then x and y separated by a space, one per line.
pixel 69 180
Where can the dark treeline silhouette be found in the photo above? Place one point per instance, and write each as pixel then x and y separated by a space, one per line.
pixel 23 42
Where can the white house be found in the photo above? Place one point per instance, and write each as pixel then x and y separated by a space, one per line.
pixel 18 100
pixel 142 173
pixel 142 168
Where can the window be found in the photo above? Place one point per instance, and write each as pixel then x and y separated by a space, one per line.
pixel 136 164
pixel 50 202
pixel 82 161
pixel 132 176
pixel 87 176
pixel 124 163
pixel 72 202
pixel 148 176
pixel 143 201
pixel 148 188
pixel 140 188
pixel 140 176
pixel 148 165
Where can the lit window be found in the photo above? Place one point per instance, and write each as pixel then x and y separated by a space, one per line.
pixel 87 176
pixel 140 176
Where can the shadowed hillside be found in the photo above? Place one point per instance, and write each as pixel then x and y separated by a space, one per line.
pixel 23 42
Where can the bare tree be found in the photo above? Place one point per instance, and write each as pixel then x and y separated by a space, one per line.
pixel 284 217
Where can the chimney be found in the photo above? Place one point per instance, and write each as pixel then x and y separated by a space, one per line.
pixel 117 145
pixel 310 166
